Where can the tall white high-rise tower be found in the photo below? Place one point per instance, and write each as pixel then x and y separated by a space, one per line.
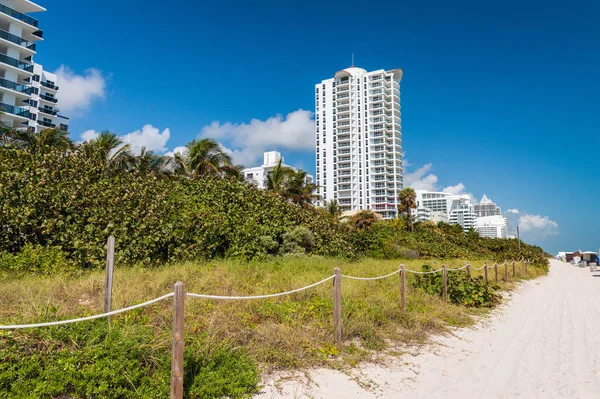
pixel 359 139
pixel 27 92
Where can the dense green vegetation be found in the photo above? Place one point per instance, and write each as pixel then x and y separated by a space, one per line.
pixel 193 218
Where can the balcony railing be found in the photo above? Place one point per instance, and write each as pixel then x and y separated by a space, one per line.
pixel 49 85
pixel 17 40
pixel 48 111
pixel 18 15
pixel 15 86
pixel 48 98
pixel 16 63
pixel 47 124
pixel 11 109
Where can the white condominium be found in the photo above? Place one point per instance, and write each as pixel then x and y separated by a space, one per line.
pixel 359 140
pixel 444 207
pixel 495 226
pixel 486 207
pixel 258 174
pixel 27 92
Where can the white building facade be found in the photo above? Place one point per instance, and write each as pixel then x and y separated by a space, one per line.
pixel 258 174
pixel 358 137
pixel 444 207
pixel 495 226
pixel 486 207
pixel 27 92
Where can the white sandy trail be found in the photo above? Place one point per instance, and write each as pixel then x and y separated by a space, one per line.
pixel 544 343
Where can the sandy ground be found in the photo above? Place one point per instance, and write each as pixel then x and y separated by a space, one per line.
pixel 543 343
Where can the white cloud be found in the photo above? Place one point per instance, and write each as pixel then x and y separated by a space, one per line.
pixel 421 179
pixel 180 150
pixel 459 189
pixel 515 211
pixel 78 91
pixel 536 225
pixel 149 136
pixel 247 142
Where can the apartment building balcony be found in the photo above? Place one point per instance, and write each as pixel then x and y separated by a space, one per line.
pixel 342 131
pixel 20 66
pixel 342 152
pixel 343 138
pixel 344 166
pixel 46 124
pixel 344 173
pixel 343 111
pixel 50 99
pixel 22 90
pixel 343 101
pixel 49 111
pixel 18 42
pixel 20 16
pixel 50 86
pixel 19 112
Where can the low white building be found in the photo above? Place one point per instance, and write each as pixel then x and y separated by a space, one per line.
pixel 495 226
pixel 258 174
pixel 444 207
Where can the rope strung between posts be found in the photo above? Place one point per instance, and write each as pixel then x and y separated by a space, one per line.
pixel 371 278
pixel 234 298
pixel 458 268
pixel 480 268
pixel 430 272
pixel 98 316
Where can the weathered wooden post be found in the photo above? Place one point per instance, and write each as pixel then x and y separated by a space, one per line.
pixel 444 284
pixel 178 343
pixel 523 264
pixel 514 270
pixel 496 271
pixel 485 272
pixel 468 268
pixel 505 271
pixel 403 286
pixel 337 305
pixel 110 264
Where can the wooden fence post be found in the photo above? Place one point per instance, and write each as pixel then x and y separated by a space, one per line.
pixel 337 305
pixel 444 283
pixel 468 268
pixel 178 343
pixel 110 264
pixel 485 271
pixel 505 271
pixel 523 264
pixel 514 270
pixel 496 270
pixel 403 286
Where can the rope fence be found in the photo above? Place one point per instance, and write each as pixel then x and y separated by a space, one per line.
pixel 179 296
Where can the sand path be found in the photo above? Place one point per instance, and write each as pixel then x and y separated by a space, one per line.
pixel 543 343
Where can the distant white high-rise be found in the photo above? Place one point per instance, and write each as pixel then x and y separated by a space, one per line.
pixel 495 226
pixel 445 207
pixel 487 207
pixel 258 174
pixel 359 140
pixel 27 92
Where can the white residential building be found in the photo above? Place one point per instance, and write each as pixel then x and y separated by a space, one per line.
pixel 487 207
pixel 445 207
pixel 495 226
pixel 359 140
pixel 258 174
pixel 27 92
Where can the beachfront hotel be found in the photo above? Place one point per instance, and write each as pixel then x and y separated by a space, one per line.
pixel 358 138
pixel 444 207
pixel 27 92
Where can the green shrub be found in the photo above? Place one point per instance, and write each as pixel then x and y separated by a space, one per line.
pixel 91 360
pixel 34 259
pixel 297 241
pixel 462 288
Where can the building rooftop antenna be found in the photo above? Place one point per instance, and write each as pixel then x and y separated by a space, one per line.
pixel 352 65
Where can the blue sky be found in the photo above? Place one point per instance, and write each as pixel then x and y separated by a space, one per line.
pixel 500 98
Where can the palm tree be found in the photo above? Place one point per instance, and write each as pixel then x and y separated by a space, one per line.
pixel 203 157
pixel 298 190
pixel 334 209
pixel 30 141
pixel 407 201
pixel 108 149
pixel 149 162
pixel 276 180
